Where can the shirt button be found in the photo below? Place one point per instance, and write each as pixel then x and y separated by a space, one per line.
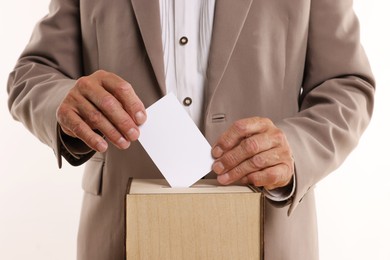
pixel 183 40
pixel 187 101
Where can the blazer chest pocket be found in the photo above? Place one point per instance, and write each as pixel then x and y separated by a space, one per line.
pixel 93 173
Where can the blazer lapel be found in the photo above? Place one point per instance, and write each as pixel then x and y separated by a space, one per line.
pixel 147 14
pixel 230 16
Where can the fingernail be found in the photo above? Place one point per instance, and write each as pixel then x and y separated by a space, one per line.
pixel 218 167
pixel 123 143
pixel 217 152
pixel 101 147
pixel 133 134
pixel 223 179
pixel 140 117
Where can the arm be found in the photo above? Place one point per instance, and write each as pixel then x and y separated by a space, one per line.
pixel 64 109
pixel 45 72
pixel 335 107
pixel 338 95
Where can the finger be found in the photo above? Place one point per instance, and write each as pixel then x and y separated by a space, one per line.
pixel 126 95
pixel 110 107
pixel 74 126
pixel 256 163
pixel 117 116
pixel 97 120
pixel 247 148
pixel 238 131
pixel 76 103
pixel 271 178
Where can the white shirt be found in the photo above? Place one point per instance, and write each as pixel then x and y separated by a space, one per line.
pixel 186 27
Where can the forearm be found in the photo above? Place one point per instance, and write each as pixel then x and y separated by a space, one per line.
pixel 337 99
pixel 46 70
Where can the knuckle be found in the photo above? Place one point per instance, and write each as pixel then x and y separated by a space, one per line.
pixel 62 111
pixel 77 129
pixel 256 179
pixel 273 178
pixel 72 97
pixel 92 140
pixel 108 102
pixel 286 156
pixel 94 117
pixel 279 136
pixel 226 141
pixel 112 134
pixel 264 122
pixel 267 178
pixel 258 161
pixel 101 73
pixel 267 121
pixel 83 82
pixel 124 88
pixel 258 121
pixel 239 127
pixel 135 105
pixel 126 123
pixel 64 115
pixel 287 171
pixel 230 159
pixel 237 172
pixel 250 146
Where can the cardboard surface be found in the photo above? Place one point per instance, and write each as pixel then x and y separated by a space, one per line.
pixel 158 186
pixel 206 221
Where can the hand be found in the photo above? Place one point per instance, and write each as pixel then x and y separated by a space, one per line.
pixel 253 151
pixel 102 103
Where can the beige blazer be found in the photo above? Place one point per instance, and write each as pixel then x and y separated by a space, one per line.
pixel 297 62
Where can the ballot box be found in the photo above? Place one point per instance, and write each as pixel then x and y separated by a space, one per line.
pixel 205 221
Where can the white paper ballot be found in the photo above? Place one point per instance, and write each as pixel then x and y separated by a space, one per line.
pixel 174 143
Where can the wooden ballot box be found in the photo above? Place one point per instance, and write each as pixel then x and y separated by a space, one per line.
pixel 205 221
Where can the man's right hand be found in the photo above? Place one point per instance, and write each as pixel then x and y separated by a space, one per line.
pixel 102 103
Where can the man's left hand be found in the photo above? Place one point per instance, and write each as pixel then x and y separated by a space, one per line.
pixel 254 151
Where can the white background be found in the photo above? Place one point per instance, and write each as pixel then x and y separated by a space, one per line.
pixel 40 205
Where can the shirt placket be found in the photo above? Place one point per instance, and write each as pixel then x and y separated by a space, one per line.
pixel 185 51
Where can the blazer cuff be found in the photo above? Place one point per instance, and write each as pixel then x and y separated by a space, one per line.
pixel 283 194
pixel 72 149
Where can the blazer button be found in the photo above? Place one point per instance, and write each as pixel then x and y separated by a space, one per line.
pixel 183 40
pixel 187 101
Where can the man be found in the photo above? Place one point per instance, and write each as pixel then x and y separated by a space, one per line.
pixel 282 89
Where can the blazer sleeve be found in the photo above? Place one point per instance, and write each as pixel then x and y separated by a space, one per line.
pixel 44 73
pixel 336 102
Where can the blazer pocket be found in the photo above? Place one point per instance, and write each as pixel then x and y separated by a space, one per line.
pixel 218 118
pixel 93 173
